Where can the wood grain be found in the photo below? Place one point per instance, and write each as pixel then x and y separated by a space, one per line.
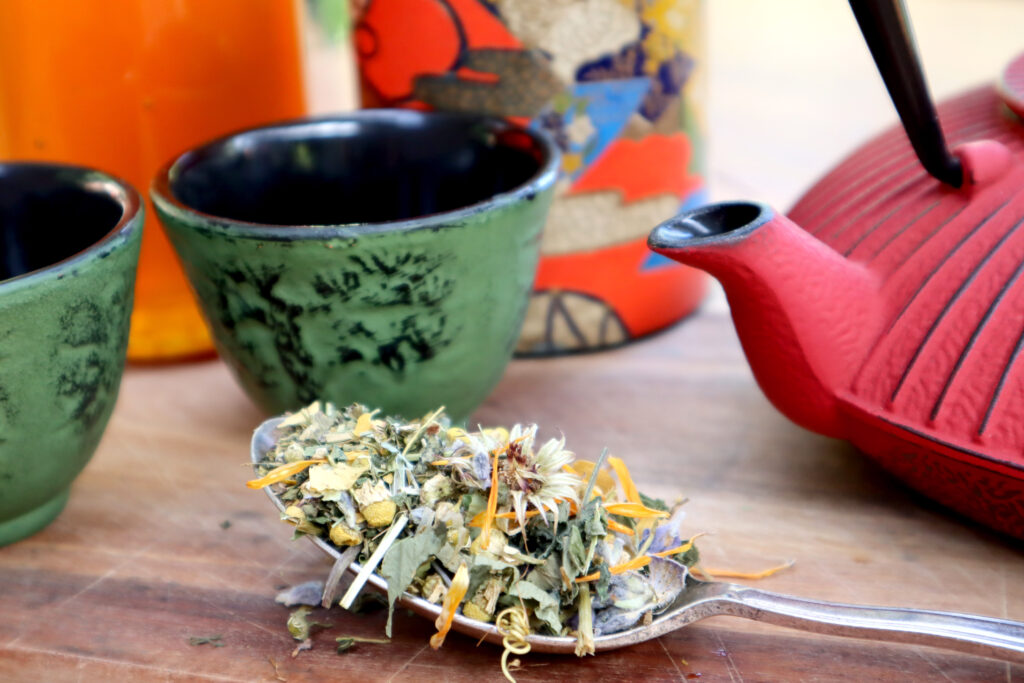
pixel 139 561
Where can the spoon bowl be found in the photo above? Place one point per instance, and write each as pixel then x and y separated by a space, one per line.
pixel 982 636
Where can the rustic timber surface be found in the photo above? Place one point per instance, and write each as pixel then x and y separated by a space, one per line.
pixel 139 562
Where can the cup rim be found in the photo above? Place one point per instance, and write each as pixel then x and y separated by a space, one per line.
pixel 541 180
pixel 89 178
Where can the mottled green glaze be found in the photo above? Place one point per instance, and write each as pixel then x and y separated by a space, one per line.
pixel 63 336
pixel 405 320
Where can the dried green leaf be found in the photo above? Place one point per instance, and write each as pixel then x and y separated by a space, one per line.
pixel 484 565
pixel 214 640
pixel 403 559
pixel 473 504
pixel 547 609
pixel 593 520
pixel 546 577
pixel 574 554
pixel 653 503
pixel 603 583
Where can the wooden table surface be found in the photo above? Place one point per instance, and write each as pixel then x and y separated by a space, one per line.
pixel 140 561
pixel 161 540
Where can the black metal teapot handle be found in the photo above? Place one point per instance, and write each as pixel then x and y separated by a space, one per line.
pixel 887 31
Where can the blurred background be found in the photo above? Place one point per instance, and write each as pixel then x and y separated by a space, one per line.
pixel 790 85
pixel 781 90
pixel 793 90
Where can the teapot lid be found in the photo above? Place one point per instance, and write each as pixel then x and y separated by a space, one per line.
pixel 1011 85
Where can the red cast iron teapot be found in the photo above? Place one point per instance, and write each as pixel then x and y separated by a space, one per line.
pixel 889 310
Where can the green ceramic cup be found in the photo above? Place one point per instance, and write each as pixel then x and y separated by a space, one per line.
pixel 69 245
pixel 384 257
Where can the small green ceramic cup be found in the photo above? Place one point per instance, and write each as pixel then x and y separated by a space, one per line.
pixel 69 245
pixel 384 257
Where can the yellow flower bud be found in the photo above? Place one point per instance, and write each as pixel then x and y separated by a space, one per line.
pixel 473 612
pixel 455 433
pixel 343 534
pixel 379 514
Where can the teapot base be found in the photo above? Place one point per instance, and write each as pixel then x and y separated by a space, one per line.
pixel 987 491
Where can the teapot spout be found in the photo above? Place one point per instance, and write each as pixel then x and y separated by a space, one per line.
pixel 805 314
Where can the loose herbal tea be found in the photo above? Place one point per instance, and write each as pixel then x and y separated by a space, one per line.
pixel 490 522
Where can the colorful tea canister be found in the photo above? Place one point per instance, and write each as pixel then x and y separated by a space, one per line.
pixel 617 83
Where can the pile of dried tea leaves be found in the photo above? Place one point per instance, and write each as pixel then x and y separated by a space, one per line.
pixel 487 521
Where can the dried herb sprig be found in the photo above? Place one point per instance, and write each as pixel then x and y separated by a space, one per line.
pixel 480 521
pixel 215 640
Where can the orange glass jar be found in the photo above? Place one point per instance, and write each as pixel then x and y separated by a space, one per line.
pixel 124 85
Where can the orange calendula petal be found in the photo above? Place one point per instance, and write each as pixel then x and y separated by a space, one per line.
pixel 622 472
pixel 679 548
pixel 283 472
pixel 492 501
pixel 585 467
pixel 634 510
pixel 452 600
pixel 636 563
pixel 619 527
pixel 512 515
pixel 731 574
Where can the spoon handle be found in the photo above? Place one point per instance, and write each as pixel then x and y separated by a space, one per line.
pixel 982 636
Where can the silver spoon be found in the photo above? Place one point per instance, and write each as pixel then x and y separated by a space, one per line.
pixel 982 636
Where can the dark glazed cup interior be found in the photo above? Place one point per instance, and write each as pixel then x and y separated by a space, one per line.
pixel 383 256
pixel 374 167
pixel 51 213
